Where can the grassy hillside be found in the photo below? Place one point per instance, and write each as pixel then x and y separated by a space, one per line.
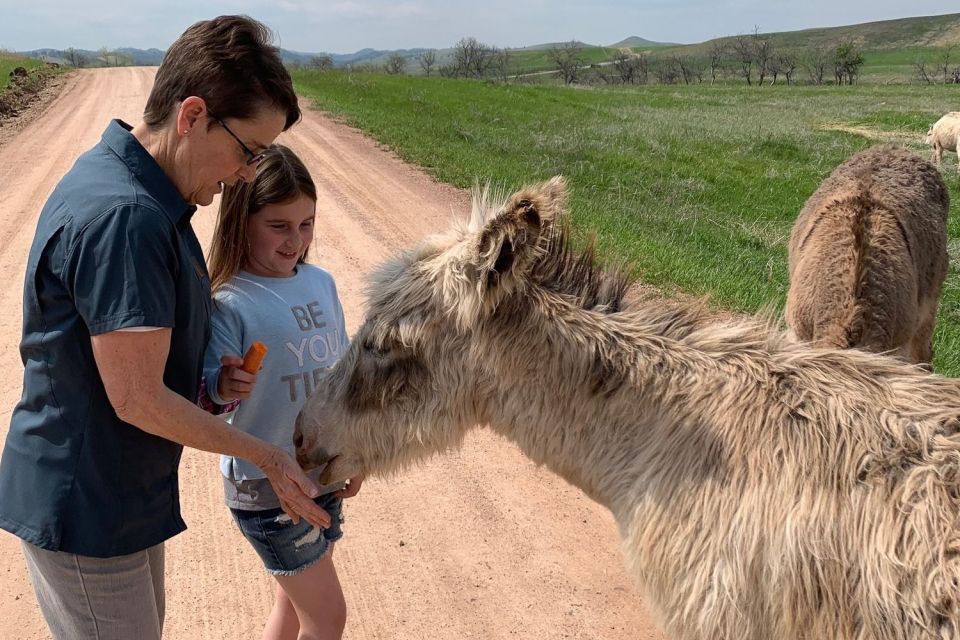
pixel 696 186
pixel 890 47
pixel 905 33
pixel 934 32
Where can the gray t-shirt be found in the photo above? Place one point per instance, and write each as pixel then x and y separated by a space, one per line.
pixel 300 319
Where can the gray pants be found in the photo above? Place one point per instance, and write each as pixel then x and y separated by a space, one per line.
pixel 85 598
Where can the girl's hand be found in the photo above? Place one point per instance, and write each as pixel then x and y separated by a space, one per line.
pixel 234 383
pixel 352 487
pixel 294 489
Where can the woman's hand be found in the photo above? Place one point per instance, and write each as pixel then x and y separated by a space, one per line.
pixel 294 489
pixel 352 487
pixel 234 383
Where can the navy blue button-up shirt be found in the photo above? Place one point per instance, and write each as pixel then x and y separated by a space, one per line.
pixel 113 249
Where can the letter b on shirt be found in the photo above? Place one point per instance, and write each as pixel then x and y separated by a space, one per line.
pixel 309 317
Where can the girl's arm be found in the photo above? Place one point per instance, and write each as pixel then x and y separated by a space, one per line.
pixel 223 381
pixel 131 365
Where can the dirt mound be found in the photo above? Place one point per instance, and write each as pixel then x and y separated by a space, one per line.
pixel 24 88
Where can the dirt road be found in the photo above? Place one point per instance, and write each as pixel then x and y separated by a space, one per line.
pixel 481 544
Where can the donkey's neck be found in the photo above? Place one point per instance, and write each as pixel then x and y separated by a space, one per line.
pixel 585 393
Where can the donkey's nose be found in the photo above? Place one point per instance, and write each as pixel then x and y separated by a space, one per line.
pixel 297 437
pixel 301 454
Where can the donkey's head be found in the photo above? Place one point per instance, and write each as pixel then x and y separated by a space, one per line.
pixel 419 371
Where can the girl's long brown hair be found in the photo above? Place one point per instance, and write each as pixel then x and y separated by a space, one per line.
pixel 281 177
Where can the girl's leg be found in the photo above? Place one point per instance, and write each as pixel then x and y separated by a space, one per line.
pixel 282 624
pixel 317 598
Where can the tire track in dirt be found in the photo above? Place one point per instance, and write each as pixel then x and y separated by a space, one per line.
pixel 492 546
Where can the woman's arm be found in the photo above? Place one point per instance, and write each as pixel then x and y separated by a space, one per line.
pixel 131 365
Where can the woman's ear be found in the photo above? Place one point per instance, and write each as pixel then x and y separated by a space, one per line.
pixel 190 112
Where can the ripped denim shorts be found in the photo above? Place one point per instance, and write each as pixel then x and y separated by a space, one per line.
pixel 286 548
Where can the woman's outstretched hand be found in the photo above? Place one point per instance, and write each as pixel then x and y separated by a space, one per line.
pixel 294 489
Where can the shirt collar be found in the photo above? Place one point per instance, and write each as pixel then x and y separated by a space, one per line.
pixel 119 138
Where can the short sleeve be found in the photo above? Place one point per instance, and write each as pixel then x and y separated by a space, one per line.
pixel 122 270
pixel 226 338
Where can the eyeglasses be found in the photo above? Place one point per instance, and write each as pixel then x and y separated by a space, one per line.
pixel 253 159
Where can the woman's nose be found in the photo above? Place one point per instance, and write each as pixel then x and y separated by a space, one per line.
pixel 247 172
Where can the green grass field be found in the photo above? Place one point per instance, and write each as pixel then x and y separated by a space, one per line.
pixel 696 186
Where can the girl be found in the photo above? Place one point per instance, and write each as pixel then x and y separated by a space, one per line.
pixel 264 290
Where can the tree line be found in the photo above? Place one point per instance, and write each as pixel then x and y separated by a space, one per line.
pixel 945 65
pixel 753 58
pixel 104 57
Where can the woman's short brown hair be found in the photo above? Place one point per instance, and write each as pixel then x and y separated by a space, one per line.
pixel 230 63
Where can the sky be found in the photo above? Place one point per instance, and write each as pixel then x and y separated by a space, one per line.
pixel 347 26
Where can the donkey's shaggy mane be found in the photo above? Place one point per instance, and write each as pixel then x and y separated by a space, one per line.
pixel 566 271
pixel 559 266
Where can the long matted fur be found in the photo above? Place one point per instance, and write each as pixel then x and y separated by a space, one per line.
pixel 763 489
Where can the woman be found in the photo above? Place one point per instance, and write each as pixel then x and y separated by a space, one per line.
pixel 116 318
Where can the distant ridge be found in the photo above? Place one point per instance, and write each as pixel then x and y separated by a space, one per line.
pixel 551 45
pixel 636 42
pixel 901 33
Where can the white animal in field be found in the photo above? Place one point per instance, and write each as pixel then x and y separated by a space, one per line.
pixel 943 135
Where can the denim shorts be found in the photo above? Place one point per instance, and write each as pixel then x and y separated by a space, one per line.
pixel 285 548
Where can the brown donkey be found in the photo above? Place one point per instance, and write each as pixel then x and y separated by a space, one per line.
pixel 764 489
pixel 868 256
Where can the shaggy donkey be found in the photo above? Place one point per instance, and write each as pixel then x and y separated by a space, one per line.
pixel 868 256
pixel 763 489
pixel 944 135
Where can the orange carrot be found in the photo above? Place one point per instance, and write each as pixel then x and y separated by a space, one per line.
pixel 254 357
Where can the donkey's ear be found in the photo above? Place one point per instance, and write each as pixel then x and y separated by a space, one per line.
pixel 510 241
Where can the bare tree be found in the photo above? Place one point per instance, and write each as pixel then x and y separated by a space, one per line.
pixel 742 48
pixel 114 58
pixel 471 58
pixel 396 64
pixel 815 60
pixel 321 62
pixel 682 63
pixel 920 70
pixel 75 58
pixel 626 62
pixel 643 68
pixel 567 59
pixel 427 59
pixel 666 70
pixel 718 54
pixel 763 54
pixel 787 63
pixel 943 63
pixel 500 60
